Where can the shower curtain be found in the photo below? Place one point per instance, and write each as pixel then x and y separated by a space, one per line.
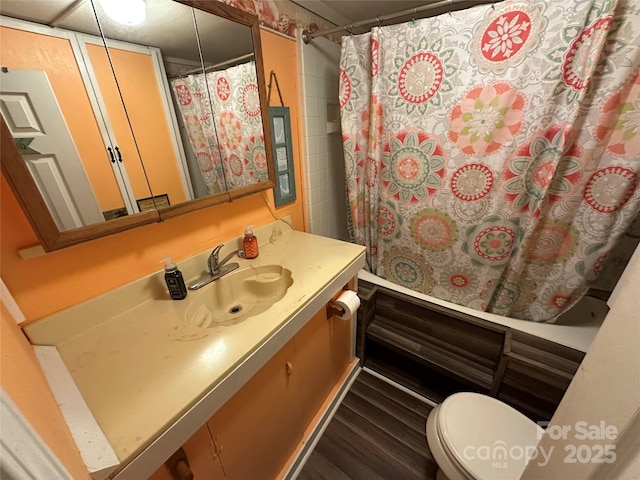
pixel 221 112
pixel 492 155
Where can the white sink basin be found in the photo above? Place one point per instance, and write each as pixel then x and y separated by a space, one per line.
pixel 239 295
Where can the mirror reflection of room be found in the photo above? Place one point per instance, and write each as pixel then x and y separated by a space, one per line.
pixel 125 146
pixel 219 106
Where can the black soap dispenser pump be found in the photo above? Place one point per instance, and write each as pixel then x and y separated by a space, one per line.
pixel 175 282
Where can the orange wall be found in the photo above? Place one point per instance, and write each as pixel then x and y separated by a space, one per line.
pixel 57 280
pixel 55 57
pixel 25 384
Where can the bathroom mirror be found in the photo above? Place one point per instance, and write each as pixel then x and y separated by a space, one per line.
pixel 156 181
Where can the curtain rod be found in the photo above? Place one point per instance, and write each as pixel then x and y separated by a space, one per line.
pixel 212 67
pixel 307 36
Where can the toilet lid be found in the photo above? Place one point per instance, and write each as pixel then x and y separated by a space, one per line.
pixel 489 439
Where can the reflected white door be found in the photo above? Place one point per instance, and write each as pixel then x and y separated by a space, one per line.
pixel 31 111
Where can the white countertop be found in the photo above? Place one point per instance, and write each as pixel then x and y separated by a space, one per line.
pixel 142 369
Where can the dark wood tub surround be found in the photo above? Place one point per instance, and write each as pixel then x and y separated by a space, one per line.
pixel 437 351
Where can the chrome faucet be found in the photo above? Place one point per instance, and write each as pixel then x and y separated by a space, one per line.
pixel 215 265
pixel 217 268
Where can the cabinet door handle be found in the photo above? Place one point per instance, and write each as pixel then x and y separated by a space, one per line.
pixel 119 154
pixel 113 160
pixel 289 368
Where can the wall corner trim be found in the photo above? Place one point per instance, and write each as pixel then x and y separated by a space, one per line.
pixel 10 303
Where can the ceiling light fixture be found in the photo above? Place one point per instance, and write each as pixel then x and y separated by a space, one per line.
pixel 127 12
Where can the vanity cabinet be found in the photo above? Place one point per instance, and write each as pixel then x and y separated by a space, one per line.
pixel 256 430
pixel 202 456
pixel 438 351
pixel 255 433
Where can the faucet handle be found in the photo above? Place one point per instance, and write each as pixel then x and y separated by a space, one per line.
pixel 216 251
pixel 213 259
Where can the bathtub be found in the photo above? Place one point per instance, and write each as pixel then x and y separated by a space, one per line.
pixel 575 328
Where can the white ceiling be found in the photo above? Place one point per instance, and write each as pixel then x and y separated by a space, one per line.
pixel 346 12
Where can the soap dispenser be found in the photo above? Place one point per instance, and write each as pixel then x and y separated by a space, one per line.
pixel 175 282
pixel 250 243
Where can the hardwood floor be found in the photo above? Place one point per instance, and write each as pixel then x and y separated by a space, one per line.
pixel 377 433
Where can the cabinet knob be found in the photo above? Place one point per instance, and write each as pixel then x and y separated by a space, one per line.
pixel 289 366
pixel 178 466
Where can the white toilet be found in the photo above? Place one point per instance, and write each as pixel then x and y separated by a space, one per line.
pixel 476 437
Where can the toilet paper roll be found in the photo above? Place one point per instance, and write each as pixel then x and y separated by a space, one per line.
pixel 350 302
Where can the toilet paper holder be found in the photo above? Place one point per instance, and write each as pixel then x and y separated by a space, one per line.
pixel 344 305
pixel 334 309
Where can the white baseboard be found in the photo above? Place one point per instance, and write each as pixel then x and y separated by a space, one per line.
pixel 426 400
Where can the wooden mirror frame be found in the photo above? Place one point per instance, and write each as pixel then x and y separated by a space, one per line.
pixel 26 191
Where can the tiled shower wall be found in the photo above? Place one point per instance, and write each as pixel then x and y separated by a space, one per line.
pixel 324 162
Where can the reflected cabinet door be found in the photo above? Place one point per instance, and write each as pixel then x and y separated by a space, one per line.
pixel 134 90
pixel 137 108
pixel 70 161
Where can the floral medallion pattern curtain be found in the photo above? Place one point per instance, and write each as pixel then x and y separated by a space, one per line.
pixel 221 111
pixel 492 154
pixel 191 95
